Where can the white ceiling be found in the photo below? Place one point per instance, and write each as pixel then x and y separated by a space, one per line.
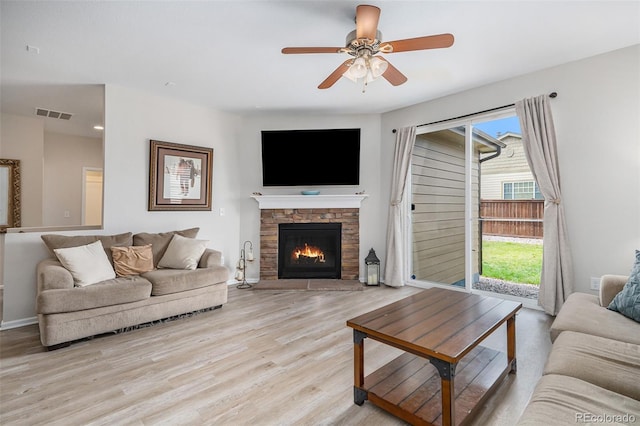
pixel 226 54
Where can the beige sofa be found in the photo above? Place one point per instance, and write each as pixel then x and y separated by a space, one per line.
pixel 67 312
pixel 592 375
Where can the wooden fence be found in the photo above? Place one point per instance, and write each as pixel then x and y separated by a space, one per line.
pixel 512 218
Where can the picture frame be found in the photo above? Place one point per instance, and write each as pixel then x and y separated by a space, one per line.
pixel 180 177
pixel 10 194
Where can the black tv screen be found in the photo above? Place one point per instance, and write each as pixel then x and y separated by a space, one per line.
pixel 310 157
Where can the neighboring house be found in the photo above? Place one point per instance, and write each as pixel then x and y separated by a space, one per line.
pixel 508 176
pixel 510 201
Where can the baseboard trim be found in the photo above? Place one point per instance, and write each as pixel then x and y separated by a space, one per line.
pixel 7 325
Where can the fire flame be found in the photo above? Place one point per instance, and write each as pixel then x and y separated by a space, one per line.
pixel 308 251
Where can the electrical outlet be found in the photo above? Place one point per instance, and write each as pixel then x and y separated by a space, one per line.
pixel 595 283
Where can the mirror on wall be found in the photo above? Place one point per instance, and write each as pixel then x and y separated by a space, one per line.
pixel 56 133
pixel 9 193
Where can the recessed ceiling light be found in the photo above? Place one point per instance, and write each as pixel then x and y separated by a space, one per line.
pixel 98 127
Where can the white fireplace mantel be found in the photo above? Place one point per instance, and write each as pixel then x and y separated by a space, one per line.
pixel 337 201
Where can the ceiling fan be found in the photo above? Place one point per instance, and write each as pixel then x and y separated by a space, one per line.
pixel 364 43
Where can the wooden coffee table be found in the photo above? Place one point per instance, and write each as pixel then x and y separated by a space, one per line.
pixel 440 332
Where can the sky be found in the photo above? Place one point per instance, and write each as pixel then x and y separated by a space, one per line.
pixel 504 125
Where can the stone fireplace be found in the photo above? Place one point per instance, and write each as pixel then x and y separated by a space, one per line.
pixel 341 211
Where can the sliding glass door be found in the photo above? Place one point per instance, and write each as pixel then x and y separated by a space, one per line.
pixel 444 232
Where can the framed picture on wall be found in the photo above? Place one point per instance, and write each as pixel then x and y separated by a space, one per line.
pixel 180 177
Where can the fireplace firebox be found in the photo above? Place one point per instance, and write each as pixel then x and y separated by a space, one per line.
pixel 309 250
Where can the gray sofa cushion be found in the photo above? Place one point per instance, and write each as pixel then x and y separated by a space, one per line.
pixel 582 312
pixel 167 281
pixel 160 241
pixel 55 241
pixel 607 363
pixel 107 293
pixel 562 400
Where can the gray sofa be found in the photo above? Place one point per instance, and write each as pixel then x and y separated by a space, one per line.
pixel 67 312
pixel 592 374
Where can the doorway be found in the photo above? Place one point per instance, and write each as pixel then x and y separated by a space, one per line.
pixel 446 226
pixel 92 196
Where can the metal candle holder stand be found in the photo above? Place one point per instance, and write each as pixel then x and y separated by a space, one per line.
pixel 242 264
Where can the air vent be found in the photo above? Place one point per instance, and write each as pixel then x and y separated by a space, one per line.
pixel 41 112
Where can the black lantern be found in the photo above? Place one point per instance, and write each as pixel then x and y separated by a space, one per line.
pixel 372 268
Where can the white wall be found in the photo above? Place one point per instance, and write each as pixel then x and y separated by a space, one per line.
pixel 249 174
pixel 597 119
pixel 64 158
pixel 23 139
pixel 131 119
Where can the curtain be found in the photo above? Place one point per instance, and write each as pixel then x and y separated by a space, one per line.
pixel 393 274
pixel 539 141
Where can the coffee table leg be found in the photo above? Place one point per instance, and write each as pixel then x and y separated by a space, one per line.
pixel 359 395
pixel 511 343
pixel 447 372
pixel 448 417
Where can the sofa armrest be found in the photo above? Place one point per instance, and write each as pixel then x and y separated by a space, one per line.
pixel 52 275
pixel 610 285
pixel 210 258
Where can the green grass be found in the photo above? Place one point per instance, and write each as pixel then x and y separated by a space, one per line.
pixel 514 262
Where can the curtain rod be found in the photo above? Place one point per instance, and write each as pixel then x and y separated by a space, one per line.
pixel 551 95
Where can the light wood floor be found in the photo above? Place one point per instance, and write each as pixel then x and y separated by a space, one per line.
pixel 265 358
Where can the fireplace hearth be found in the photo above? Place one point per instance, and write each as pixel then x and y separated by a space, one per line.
pixel 309 250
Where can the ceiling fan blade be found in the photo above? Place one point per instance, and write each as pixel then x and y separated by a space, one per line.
pixel 419 43
pixel 367 21
pixel 335 76
pixel 392 75
pixel 298 50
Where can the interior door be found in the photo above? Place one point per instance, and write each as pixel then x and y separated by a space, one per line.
pixel 91 196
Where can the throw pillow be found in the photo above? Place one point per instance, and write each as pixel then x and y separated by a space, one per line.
pixel 160 241
pixel 183 253
pixel 627 302
pixel 56 241
pixel 88 264
pixel 132 260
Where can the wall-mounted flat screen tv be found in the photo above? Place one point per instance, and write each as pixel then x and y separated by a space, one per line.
pixel 311 157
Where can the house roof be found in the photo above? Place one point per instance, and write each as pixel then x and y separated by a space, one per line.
pixel 509 135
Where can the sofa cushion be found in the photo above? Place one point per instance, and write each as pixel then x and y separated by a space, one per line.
pixel 55 241
pixel 582 312
pixel 132 260
pixel 607 363
pixel 183 253
pixel 87 264
pixel 107 293
pixel 160 241
pixel 564 400
pixel 167 281
pixel 627 302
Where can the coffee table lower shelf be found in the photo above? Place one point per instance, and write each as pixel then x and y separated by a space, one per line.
pixel 409 386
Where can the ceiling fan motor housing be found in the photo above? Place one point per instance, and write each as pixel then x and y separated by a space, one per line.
pixel 355 46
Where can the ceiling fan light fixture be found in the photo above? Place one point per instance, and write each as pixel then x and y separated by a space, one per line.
pixel 367 67
pixel 378 66
pixel 359 68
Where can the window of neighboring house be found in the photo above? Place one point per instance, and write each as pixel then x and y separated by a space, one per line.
pixel 527 190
